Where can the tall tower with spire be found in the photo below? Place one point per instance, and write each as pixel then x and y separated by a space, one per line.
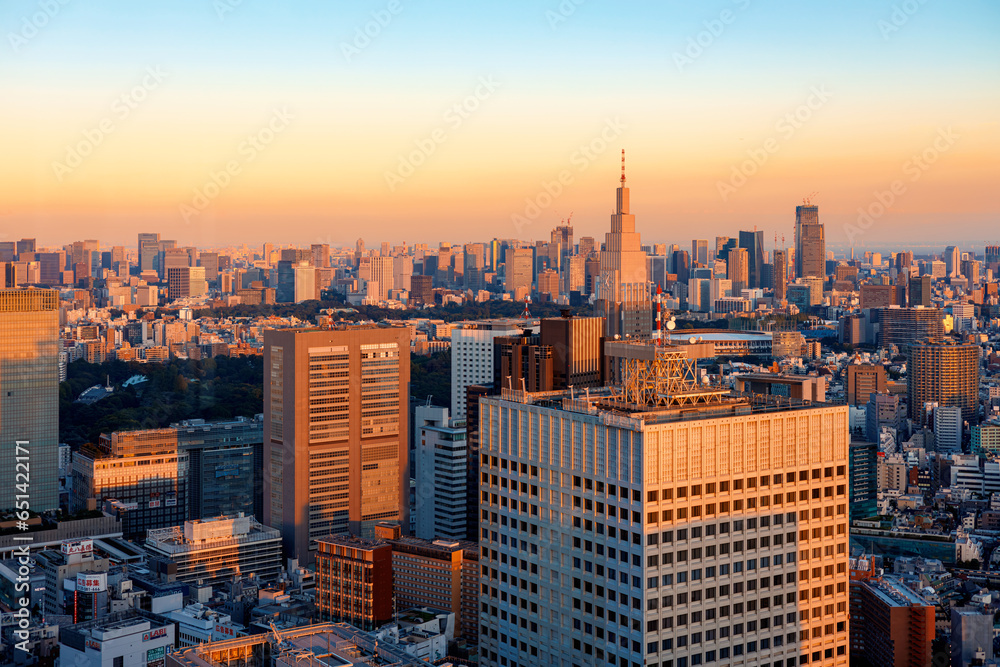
pixel 623 295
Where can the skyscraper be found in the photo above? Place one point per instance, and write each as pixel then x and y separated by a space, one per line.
pixel 944 372
pixel 699 251
pixel 517 272
pixel 920 291
pixel 616 531
pixel 738 270
pixel 753 242
pixel 335 432
pixel 472 357
pixel 903 326
pixel 779 274
pixel 441 459
pixel 623 294
pixel 810 243
pixel 29 397
pixel 149 248
pixel 952 261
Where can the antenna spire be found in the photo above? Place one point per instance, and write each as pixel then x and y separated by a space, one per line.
pixel 623 167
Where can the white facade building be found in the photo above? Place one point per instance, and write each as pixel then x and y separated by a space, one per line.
pixel 472 358
pixel 116 641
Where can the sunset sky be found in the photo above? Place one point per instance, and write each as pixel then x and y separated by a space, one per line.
pixel 115 117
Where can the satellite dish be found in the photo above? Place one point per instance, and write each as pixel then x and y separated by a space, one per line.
pixel 671 325
pixel 692 340
pixel 617 336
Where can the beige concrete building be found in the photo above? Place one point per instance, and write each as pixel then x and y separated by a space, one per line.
pixel 623 295
pixel 662 522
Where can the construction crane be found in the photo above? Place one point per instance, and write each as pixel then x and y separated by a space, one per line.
pixel 808 200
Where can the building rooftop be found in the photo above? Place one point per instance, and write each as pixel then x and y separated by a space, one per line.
pixel 199 534
pixel 321 645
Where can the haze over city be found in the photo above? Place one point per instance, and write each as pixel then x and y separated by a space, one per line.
pixel 371 141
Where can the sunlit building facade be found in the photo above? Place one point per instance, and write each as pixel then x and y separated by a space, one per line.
pixel 213 551
pixel 29 398
pixel 669 524
pixel 335 432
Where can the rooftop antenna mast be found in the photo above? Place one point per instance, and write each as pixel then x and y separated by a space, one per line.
pixel 623 167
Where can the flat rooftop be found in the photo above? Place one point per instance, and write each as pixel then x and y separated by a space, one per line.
pixel 608 404
pixel 321 645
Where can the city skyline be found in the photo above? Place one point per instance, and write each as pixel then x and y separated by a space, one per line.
pixel 323 126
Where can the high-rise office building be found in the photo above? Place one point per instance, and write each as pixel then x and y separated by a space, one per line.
pixel 948 429
pixel 779 274
pixel 28 247
pixel 920 291
pixel 440 467
pixel 376 274
pixel 210 262
pixel 421 290
pixel 472 356
pixel 864 480
pixel 699 251
pixel 810 243
pixel 225 466
pixel 623 296
pixel 576 344
pixel 864 380
pixel 149 248
pixel 681 265
pixel 952 261
pixel 186 282
pixel 335 432
pixel 29 397
pixel 140 476
pixel 903 326
pixel 320 255
pixel 667 521
pixel 737 270
pixel 518 271
pixel 945 372
pixel 991 258
pixel 891 626
pixel 753 243
pixel 880 296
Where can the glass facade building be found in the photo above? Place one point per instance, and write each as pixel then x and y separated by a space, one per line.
pixel 29 397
